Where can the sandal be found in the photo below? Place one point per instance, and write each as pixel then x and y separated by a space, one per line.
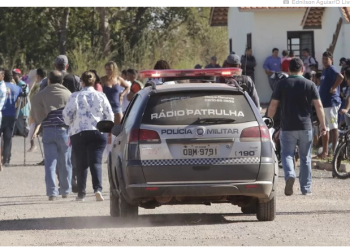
pixel 323 156
pixel 33 148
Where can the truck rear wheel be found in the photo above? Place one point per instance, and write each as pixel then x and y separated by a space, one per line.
pixel 266 211
pixel 127 210
pixel 113 204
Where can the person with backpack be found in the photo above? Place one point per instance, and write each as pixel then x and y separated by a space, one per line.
pixel 310 64
pixel 245 82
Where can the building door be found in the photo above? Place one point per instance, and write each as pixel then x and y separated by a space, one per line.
pixel 249 40
pixel 297 41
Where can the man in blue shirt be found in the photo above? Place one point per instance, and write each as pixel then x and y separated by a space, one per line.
pixel 272 65
pixel 330 97
pixel 22 120
pixel 9 115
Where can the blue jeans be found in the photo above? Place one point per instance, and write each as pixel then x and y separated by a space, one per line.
pixel 289 140
pixel 7 124
pixel 88 147
pixel 57 156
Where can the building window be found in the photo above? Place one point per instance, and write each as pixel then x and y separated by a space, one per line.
pixel 297 41
pixel 249 40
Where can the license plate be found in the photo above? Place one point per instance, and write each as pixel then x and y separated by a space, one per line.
pixel 200 150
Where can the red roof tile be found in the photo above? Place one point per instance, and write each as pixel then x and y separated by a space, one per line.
pixel 346 13
pixel 218 16
pixel 313 17
pixel 267 8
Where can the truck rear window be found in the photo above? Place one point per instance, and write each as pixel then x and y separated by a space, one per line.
pixel 186 108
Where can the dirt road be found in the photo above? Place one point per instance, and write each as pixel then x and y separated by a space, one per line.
pixel 28 218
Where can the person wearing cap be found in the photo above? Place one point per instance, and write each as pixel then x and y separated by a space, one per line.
pixel 309 61
pixel 70 81
pixel 330 96
pixel 197 66
pixel 296 95
pixel 213 63
pixel 233 60
pixel 22 120
pixel 272 65
pixel 248 63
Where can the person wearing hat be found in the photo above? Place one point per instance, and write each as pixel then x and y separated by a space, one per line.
pixel 70 81
pixel 213 63
pixel 233 60
pixel 296 95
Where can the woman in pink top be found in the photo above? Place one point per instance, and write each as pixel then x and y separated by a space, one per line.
pixel 97 86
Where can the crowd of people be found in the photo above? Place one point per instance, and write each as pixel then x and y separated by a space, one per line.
pixel 310 104
pixel 65 110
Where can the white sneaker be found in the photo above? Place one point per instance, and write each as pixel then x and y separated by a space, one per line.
pixel 99 196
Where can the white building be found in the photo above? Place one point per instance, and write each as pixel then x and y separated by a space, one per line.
pixel 263 28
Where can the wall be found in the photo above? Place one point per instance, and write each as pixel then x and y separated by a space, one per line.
pixel 271 31
pixel 239 25
pixel 329 23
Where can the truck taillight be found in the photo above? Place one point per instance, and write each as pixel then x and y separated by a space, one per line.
pixel 255 134
pixel 144 136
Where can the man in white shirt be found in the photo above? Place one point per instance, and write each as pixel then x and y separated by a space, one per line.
pixel 309 61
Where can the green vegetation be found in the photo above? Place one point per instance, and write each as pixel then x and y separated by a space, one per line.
pixel 133 37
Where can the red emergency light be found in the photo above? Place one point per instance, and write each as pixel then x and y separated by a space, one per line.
pixel 213 72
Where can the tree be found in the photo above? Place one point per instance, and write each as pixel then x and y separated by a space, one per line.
pixel 133 37
pixel 63 31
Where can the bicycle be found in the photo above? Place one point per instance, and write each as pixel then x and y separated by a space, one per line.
pixel 342 153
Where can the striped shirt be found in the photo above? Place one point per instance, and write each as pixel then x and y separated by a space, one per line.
pixel 53 119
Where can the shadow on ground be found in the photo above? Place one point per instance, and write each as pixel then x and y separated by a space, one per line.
pixel 93 222
pixel 96 222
